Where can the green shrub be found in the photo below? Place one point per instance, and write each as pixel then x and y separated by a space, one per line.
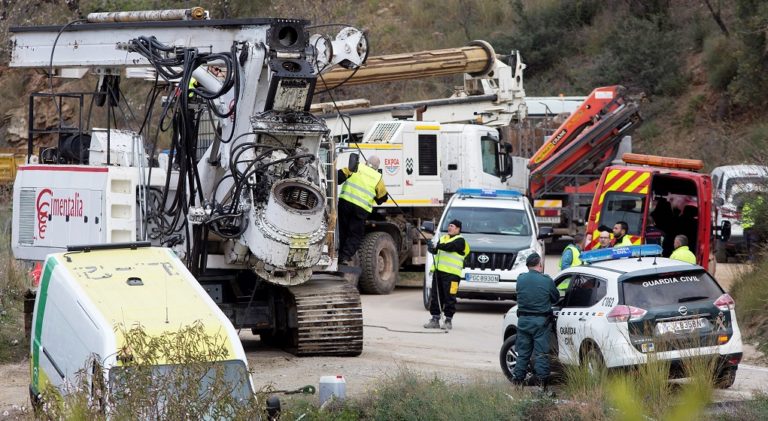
pixel 544 31
pixel 163 377
pixel 720 62
pixel 14 282
pixel 750 295
pixel 641 56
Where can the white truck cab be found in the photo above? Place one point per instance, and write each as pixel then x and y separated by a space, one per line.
pixel 502 232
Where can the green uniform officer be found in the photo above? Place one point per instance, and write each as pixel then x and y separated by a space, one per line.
pixel 682 252
pixel 536 293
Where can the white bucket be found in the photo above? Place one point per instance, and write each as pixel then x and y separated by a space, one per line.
pixel 332 386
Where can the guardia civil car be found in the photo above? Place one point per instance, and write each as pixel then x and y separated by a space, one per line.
pixel 625 304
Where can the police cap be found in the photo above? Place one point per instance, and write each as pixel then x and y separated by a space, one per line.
pixel 533 260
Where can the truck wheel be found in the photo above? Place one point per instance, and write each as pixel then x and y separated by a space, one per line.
pixel 378 258
pixel 721 254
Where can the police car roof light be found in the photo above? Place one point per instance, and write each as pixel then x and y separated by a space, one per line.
pixel 467 192
pixel 648 250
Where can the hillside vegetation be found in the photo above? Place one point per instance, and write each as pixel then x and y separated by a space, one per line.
pixel 701 65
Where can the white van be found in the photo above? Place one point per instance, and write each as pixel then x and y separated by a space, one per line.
pixel 502 232
pixel 730 185
pixel 88 298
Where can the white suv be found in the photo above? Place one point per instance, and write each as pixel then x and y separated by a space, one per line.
pixel 501 230
pixel 618 310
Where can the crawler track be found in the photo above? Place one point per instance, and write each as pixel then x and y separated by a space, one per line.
pixel 329 317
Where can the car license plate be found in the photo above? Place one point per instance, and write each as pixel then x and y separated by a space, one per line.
pixel 479 277
pixel 681 326
pixel 548 219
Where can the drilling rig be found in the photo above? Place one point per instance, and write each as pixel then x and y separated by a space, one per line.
pixel 240 194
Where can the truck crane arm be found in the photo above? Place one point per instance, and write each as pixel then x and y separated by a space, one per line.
pixel 586 142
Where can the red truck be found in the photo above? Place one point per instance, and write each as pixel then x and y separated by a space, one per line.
pixel 666 196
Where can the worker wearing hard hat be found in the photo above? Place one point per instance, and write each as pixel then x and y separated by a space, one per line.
pixel 682 252
pixel 362 185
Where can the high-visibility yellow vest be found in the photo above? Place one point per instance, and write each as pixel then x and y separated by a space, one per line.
pixel 683 254
pixel 625 241
pixel 748 212
pixel 191 86
pixel 575 252
pixel 450 261
pixel 360 187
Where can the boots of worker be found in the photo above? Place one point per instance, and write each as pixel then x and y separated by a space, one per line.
pixel 447 325
pixel 433 323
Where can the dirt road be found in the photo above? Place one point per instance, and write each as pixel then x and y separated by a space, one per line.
pixel 395 340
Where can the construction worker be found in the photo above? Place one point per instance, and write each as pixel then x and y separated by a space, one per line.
pixel 362 185
pixel 536 293
pixel 571 253
pixel 604 239
pixel 682 252
pixel 447 265
pixel 620 234
pixel 753 206
pixel 191 87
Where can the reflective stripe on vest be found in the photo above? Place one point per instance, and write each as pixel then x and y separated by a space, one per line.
pixel 451 261
pixel 575 252
pixel 360 187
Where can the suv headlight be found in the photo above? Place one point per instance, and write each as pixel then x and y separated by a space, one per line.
pixel 522 255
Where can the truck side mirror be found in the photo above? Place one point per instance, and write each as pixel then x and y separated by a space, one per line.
pixel 725 230
pixel 719 201
pixel 428 226
pixel 544 232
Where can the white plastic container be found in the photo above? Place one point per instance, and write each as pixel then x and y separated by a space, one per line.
pixel 332 386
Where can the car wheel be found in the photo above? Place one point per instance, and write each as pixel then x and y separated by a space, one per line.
pixel 508 357
pixel 592 359
pixel 725 378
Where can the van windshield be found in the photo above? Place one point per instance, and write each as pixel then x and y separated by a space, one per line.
pixel 227 379
pixel 739 189
pixel 621 206
pixel 488 221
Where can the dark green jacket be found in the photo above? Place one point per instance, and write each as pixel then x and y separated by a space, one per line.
pixel 536 292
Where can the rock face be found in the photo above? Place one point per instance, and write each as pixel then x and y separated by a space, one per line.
pixel 14 112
